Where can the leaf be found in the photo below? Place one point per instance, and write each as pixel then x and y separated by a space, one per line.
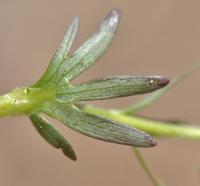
pixel 52 136
pixel 150 99
pixel 91 50
pixel 62 52
pixel 97 127
pixel 112 87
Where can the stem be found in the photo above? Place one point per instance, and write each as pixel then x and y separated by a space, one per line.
pixel 149 172
pixel 155 128
pixel 23 100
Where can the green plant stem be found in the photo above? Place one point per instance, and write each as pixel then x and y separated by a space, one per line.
pixel 155 128
pixel 149 172
pixel 23 100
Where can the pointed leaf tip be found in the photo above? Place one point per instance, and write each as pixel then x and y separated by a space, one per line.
pixel 157 82
pixel 151 141
pixel 111 21
pixel 162 81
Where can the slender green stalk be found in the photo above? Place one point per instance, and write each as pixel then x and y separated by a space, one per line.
pixel 155 128
pixel 147 169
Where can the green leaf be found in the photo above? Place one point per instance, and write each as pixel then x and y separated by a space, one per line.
pixel 97 127
pixel 112 87
pixel 91 50
pixel 52 136
pixel 150 99
pixel 62 52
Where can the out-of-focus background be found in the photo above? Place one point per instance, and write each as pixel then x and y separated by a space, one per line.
pixel 155 37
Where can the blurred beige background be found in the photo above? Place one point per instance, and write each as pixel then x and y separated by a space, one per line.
pixel 156 37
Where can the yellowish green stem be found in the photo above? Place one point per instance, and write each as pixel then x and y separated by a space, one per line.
pixel 155 128
pixel 22 101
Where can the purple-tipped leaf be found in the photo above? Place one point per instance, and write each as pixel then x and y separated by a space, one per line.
pixel 92 49
pixel 112 87
pixel 97 127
